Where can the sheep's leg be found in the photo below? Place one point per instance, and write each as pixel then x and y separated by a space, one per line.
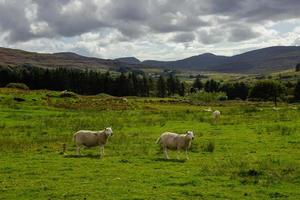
pixel 177 153
pixel 103 151
pixel 166 153
pixel 78 150
pixel 186 154
pixel 100 151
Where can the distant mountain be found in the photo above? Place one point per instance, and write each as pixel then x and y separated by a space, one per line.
pixel 200 62
pixel 269 59
pixel 14 57
pixel 258 61
pixel 131 60
pixel 264 60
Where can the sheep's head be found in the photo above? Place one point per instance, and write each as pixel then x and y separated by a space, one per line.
pixel 190 134
pixel 108 131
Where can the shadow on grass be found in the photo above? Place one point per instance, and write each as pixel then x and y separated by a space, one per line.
pixel 169 160
pixel 83 156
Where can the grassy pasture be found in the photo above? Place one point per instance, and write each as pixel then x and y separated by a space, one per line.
pixel 252 153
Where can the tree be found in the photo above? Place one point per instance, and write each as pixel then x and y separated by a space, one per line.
pixel 198 84
pixel 297 91
pixel 211 86
pixel 236 90
pixel 298 67
pixel 268 90
pixel 181 91
pixel 171 85
pixel 161 87
pixel 145 86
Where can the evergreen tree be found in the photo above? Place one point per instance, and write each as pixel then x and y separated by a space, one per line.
pixel 145 86
pixel 297 91
pixel 198 84
pixel 298 67
pixel 161 87
pixel 181 91
pixel 211 86
pixel 268 90
pixel 171 85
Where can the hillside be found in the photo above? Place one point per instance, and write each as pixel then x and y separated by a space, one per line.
pixel 131 60
pixel 266 60
pixel 15 57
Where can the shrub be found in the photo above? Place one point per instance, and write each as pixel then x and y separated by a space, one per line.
pixel 21 86
pixel 208 96
pixel 223 98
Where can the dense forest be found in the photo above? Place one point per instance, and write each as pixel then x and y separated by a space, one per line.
pixel 88 82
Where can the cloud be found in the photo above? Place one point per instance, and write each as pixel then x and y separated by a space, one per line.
pixel 163 23
pixel 241 33
pixel 183 37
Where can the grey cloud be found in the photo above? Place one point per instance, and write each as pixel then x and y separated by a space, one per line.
pixel 13 20
pixel 131 10
pixel 183 37
pixel 136 18
pixel 212 36
pixel 241 33
pixel 76 22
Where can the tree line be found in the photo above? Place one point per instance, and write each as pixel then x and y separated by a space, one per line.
pixel 90 82
pixel 259 90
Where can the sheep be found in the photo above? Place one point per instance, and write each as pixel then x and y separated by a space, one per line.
pixel 174 141
pixel 216 115
pixel 92 138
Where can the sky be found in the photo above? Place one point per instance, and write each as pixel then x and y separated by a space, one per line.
pixel 148 29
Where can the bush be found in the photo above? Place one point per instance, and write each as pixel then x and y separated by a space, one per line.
pixel 208 96
pixel 223 98
pixel 21 86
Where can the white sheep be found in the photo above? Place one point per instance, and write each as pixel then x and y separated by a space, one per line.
pixel 216 115
pixel 174 141
pixel 92 138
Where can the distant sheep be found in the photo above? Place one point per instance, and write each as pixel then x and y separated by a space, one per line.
pixel 216 115
pixel 92 138
pixel 174 141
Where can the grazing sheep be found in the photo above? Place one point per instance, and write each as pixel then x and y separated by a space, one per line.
pixel 92 139
pixel 216 115
pixel 174 141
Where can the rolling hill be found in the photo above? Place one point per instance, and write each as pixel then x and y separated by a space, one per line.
pixel 14 57
pixel 266 60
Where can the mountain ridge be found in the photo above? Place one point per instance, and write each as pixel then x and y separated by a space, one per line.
pixel 269 59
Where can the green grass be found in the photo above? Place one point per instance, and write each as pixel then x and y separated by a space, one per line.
pixel 255 153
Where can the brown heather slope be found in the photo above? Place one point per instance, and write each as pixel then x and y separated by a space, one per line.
pixel 14 57
pixel 266 60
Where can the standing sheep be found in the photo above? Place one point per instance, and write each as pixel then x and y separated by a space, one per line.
pixel 92 139
pixel 174 141
pixel 216 115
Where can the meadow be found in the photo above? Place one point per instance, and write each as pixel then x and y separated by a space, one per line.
pixel 253 152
